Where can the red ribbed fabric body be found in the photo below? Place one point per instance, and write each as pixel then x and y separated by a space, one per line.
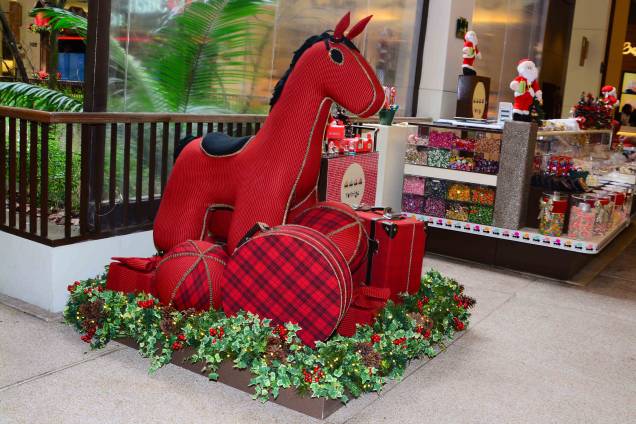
pixel 340 223
pixel 290 274
pixel 189 276
pixel 278 168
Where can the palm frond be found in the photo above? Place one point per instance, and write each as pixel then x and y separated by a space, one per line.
pixel 19 94
pixel 61 19
pixel 203 50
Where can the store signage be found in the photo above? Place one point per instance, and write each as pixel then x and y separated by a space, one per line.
pixel 628 49
pixel 479 100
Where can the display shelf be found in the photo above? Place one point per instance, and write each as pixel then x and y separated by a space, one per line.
pixel 579 132
pixel 526 235
pixel 450 174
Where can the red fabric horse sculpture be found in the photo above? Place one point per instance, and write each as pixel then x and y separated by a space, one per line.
pixel 273 175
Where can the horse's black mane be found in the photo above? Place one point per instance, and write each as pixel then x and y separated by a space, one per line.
pixel 324 37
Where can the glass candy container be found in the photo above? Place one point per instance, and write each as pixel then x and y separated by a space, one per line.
pixel 603 208
pixel 553 207
pixel 582 217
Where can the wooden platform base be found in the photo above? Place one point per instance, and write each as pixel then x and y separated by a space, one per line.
pixel 319 408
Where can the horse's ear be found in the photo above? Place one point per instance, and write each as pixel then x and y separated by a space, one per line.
pixel 358 28
pixel 338 33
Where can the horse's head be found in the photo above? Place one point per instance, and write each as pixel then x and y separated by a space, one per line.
pixel 333 64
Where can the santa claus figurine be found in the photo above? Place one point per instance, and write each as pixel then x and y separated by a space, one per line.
pixel 609 96
pixel 526 88
pixel 469 53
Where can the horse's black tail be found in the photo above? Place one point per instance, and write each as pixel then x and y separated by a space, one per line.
pixel 181 145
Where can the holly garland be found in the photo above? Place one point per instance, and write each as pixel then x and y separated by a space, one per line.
pixel 593 113
pixel 339 368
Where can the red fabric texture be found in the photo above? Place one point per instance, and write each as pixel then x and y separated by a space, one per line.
pixel 365 306
pixel 132 275
pixel 340 223
pixel 290 274
pixel 278 168
pixel 397 263
pixel 524 100
pixel 189 276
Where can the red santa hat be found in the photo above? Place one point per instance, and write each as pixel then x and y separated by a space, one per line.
pixel 608 89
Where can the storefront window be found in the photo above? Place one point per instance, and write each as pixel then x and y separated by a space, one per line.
pixel 276 32
pixel 509 30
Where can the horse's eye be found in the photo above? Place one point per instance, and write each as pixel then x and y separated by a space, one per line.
pixel 336 56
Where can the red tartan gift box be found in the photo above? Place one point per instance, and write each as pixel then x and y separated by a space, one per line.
pixel 396 252
pixel 350 179
pixel 133 275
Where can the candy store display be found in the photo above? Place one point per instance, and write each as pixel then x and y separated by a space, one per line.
pixel 482 195
pixel 439 158
pixel 441 139
pixel 435 188
pixel 478 214
pixel 553 207
pixel 489 145
pixel 416 155
pixel 457 211
pixel 465 145
pixel 582 217
pixel 414 185
pixel 462 161
pixel 413 203
pixel 459 192
pixel 434 206
pixel 484 166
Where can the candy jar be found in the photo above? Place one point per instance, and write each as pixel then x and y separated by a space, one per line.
pixel 619 196
pixel 582 217
pixel 553 207
pixel 603 208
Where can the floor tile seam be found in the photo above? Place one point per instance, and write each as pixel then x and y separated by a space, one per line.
pixel 60 369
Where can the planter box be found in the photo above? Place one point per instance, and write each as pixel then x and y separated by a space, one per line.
pixel 319 408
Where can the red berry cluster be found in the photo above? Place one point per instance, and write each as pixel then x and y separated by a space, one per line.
pixel 425 333
pixel 89 334
pixel 316 375
pixel 179 343
pixel 461 301
pixel 401 341
pixel 281 331
pixel 218 333
pixel 145 304
pixel 71 287
pixel 459 326
pixel 375 338
pixel 422 302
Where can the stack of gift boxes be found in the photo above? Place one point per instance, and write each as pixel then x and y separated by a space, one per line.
pixel 450 199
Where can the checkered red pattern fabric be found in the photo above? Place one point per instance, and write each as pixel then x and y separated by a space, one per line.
pixel 189 276
pixel 290 274
pixel 339 222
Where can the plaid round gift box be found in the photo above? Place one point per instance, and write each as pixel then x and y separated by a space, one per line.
pixel 189 275
pixel 341 224
pixel 292 274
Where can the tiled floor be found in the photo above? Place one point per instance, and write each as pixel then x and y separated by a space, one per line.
pixel 536 352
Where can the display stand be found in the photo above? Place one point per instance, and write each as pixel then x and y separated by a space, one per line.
pixel 505 240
